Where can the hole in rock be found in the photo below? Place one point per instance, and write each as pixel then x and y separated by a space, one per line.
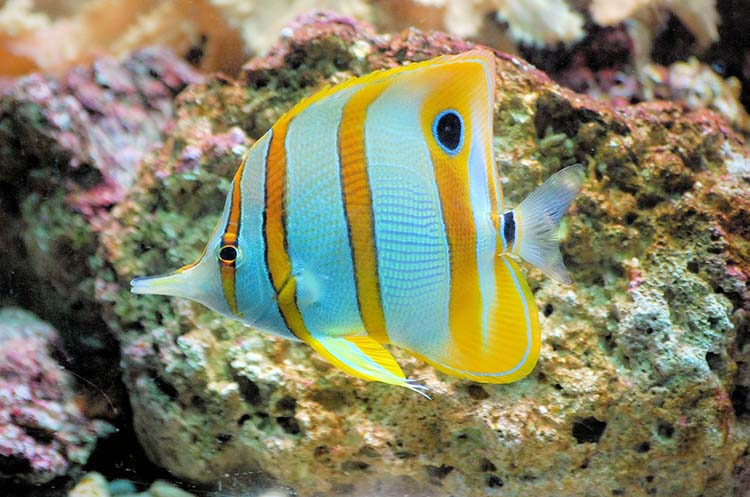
pixel 438 472
pixel 741 401
pixel 289 424
pixel 548 309
pixel 715 361
pixel 249 390
pixel 588 430
pixel 354 466
pixel 665 429
pixel 643 447
pixel 494 482
pixel 476 392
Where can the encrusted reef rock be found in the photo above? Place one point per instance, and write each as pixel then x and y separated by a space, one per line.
pixel 43 433
pixel 643 385
pixel 69 147
pixel 68 152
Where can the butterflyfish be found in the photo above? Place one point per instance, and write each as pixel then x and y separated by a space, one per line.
pixel 372 214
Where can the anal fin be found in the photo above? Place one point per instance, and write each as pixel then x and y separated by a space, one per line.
pixel 363 357
pixel 508 349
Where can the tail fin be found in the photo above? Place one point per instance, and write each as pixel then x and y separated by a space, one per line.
pixel 533 225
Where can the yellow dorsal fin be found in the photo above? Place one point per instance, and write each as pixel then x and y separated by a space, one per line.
pixel 377 76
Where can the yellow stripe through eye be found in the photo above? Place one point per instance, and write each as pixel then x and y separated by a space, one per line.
pixel 229 251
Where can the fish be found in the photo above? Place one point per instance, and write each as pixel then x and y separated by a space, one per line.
pixel 371 215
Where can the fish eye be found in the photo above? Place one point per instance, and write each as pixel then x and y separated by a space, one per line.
pixel 448 130
pixel 228 254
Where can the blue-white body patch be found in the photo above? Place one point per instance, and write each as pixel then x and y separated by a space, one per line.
pixel 409 234
pixel 317 232
pixel 253 281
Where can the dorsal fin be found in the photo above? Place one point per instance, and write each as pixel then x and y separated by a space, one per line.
pixel 379 75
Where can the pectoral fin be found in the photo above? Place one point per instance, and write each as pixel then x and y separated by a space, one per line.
pixel 363 357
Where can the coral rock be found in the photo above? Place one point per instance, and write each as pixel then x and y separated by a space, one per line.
pixel 31 40
pixel 69 147
pixel 642 387
pixel 91 485
pixel 43 434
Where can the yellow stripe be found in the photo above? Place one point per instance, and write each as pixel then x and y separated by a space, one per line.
pixel 358 208
pixel 452 179
pixel 231 234
pixel 280 267
pixel 464 309
pixel 277 256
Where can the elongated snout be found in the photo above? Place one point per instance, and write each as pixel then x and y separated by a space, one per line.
pixel 200 282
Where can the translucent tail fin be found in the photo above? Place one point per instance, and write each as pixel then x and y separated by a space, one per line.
pixel 537 220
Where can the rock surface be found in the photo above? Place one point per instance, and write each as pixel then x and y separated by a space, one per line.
pixel 643 386
pixel 95 485
pixel 68 151
pixel 43 433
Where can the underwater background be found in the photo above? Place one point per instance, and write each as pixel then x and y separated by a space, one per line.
pixel 121 126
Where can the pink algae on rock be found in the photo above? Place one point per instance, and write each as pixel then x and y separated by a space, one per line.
pixel 101 120
pixel 43 433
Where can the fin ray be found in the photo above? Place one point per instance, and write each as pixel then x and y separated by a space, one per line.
pixel 538 219
pixel 363 357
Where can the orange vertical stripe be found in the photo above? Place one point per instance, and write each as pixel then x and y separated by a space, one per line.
pixel 231 232
pixel 465 316
pixel 358 207
pixel 274 229
pixel 453 184
pixel 231 237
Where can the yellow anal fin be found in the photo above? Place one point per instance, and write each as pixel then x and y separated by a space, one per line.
pixel 363 357
pixel 508 349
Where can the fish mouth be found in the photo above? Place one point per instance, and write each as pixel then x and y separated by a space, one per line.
pixel 161 284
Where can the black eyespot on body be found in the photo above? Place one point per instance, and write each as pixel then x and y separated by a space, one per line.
pixel 228 254
pixel 509 228
pixel 448 130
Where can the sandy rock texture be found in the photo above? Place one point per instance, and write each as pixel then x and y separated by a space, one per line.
pixel 642 388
